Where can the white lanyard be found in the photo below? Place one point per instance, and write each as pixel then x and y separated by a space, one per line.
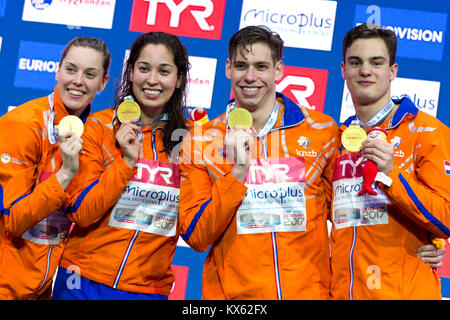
pixel 378 117
pixel 52 132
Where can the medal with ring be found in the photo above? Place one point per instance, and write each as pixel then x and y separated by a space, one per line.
pixel 129 110
pixel 71 124
pixel 352 138
pixel 240 117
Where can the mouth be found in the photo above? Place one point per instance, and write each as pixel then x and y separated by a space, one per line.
pixel 75 93
pixel 250 91
pixel 365 83
pixel 152 93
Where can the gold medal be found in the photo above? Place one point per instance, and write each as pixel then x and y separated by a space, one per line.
pixel 71 124
pixel 240 117
pixel 127 110
pixel 352 138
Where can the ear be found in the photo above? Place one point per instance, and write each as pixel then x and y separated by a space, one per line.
pixel 104 83
pixel 179 82
pixel 131 77
pixel 394 70
pixel 57 75
pixel 228 68
pixel 279 70
pixel 342 69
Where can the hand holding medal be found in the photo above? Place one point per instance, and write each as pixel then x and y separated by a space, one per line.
pixel 238 141
pixel 352 139
pixel 129 110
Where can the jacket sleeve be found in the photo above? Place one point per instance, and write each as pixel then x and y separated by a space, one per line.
pixel 23 202
pixel 424 193
pixel 99 182
pixel 332 152
pixel 207 205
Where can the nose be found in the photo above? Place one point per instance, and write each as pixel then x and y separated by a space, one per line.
pixel 365 69
pixel 250 75
pixel 152 78
pixel 78 78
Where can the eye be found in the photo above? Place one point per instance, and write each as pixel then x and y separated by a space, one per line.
pixel 261 67
pixel 91 75
pixel 354 63
pixel 240 66
pixel 164 71
pixel 377 63
pixel 70 69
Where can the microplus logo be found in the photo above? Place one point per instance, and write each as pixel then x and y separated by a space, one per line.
pixel 37 64
pixel 420 34
pixel 190 18
pixel 301 24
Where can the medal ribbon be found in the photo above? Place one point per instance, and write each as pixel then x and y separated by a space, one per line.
pixel 378 117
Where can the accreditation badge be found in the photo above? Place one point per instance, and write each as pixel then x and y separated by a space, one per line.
pixel 149 202
pixel 51 230
pixel 349 209
pixel 275 199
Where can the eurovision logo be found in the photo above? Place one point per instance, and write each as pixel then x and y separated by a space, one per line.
pixel 37 64
pixel 420 34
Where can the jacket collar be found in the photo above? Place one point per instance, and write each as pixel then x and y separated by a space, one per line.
pixel 406 106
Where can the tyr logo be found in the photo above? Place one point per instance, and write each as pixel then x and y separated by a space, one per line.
pixel 165 173
pixel 191 18
pixel 200 16
pixel 273 173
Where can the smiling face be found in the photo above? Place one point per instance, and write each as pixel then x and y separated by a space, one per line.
pixel 154 78
pixel 253 76
pixel 80 76
pixel 368 73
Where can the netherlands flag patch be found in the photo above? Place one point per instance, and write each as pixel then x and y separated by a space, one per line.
pixel 447 166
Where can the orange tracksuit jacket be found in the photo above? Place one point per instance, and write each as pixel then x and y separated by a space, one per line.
pixel 126 259
pixel 26 198
pixel 379 261
pixel 270 265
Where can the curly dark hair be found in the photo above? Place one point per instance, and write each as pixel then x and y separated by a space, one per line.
pixel 175 107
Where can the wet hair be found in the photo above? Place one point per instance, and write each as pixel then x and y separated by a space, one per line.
pixel 370 31
pixel 176 105
pixel 93 43
pixel 246 37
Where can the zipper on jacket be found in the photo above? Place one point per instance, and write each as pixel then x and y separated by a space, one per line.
pixel 263 140
pixel 47 269
pixel 136 232
pixel 124 259
pixel 275 264
pixel 352 248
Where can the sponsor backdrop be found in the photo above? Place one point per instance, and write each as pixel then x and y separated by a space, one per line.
pixel 34 32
